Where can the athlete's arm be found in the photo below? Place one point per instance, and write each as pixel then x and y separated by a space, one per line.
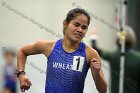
pixel 31 49
pixel 96 70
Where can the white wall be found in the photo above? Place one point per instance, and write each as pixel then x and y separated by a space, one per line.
pixel 17 29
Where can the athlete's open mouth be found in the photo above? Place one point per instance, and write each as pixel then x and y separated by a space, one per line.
pixel 78 35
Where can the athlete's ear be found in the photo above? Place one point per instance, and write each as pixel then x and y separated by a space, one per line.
pixel 65 24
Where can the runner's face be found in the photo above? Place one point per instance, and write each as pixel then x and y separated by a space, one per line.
pixel 77 28
pixel 9 58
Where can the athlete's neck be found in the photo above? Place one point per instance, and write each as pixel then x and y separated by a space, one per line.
pixel 69 46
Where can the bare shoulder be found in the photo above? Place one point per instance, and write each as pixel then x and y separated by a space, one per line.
pixel 91 53
pixel 44 44
pixel 38 47
pixel 48 46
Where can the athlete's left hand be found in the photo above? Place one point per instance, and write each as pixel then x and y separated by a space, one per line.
pixel 96 65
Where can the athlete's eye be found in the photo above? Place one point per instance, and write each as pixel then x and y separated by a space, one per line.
pixel 84 27
pixel 77 24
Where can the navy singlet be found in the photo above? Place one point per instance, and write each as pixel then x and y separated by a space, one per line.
pixel 66 72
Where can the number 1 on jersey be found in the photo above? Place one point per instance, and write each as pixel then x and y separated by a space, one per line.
pixel 78 62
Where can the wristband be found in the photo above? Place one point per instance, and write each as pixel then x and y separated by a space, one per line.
pixel 20 72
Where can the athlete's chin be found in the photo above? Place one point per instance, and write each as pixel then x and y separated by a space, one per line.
pixel 77 39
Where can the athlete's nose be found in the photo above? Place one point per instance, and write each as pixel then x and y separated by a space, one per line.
pixel 79 30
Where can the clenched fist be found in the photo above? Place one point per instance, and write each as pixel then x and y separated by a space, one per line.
pixel 95 65
pixel 24 83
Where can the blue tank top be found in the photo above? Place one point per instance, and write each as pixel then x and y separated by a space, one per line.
pixel 66 72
